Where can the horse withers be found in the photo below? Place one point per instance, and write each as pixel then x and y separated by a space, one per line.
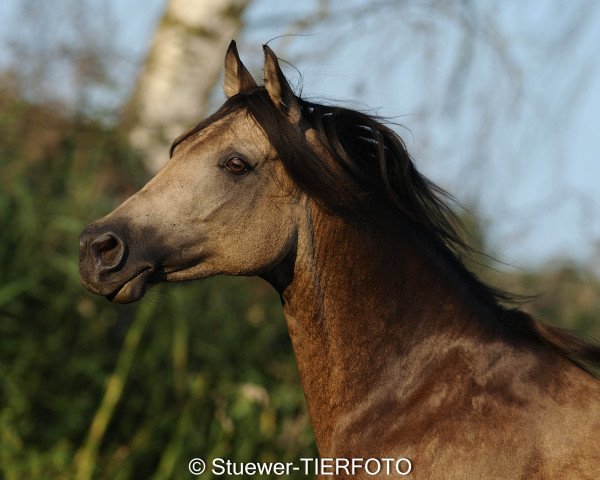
pixel 402 352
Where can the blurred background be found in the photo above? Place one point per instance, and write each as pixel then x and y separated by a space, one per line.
pixel 498 103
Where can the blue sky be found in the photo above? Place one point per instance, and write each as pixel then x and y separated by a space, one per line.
pixel 533 174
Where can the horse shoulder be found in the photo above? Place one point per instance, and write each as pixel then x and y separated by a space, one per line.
pixel 520 414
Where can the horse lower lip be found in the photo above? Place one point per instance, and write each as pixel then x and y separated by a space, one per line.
pixel 132 290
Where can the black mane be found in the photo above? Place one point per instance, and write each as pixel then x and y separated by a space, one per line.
pixel 372 178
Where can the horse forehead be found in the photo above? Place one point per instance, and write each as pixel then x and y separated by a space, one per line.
pixel 234 127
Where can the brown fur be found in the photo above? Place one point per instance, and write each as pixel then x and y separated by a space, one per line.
pixel 402 352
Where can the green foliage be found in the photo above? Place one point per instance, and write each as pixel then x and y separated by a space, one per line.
pixel 566 295
pixel 89 389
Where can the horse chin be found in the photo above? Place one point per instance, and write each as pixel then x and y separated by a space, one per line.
pixel 132 290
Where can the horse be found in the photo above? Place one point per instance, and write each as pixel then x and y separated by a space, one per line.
pixel 402 351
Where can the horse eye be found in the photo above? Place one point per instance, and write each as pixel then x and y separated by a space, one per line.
pixel 236 166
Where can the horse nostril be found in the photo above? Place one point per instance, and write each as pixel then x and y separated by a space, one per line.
pixel 108 251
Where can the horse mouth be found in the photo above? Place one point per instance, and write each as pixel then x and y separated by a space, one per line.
pixel 132 290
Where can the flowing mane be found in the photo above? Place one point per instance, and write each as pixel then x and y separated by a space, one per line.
pixel 373 180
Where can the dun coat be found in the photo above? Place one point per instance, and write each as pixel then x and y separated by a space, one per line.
pixel 402 351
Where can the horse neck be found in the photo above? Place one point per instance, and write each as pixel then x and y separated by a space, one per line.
pixel 363 309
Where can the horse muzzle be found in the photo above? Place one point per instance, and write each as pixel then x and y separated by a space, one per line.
pixel 107 267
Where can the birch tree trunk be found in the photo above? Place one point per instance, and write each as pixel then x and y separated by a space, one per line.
pixel 184 64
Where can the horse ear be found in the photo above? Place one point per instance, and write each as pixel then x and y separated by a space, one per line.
pixel 279 89
pixel 237 76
